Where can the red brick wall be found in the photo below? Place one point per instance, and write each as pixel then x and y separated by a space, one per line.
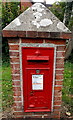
pixel 14 50
pixel 25 4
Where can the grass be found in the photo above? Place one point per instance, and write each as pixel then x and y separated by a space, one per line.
pixel 6 86
pixel 67 86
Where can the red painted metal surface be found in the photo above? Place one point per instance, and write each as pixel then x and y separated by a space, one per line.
pixel 37 58
pixel 37 67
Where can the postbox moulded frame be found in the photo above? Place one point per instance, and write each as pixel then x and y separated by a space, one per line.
pixel 43 45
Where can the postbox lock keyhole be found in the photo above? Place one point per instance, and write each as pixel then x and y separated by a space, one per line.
pixel 31 93
pixel 37 71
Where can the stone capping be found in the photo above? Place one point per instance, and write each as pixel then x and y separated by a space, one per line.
pixel 36 34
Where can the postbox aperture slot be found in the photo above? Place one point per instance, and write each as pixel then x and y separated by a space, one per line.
pixel 38 61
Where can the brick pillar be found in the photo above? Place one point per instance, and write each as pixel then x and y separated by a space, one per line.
pixel 14 50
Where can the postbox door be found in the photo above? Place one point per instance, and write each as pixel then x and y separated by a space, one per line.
pixel 37 79
pixel 37 87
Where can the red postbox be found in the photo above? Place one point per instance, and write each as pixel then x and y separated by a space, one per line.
pixel 37 64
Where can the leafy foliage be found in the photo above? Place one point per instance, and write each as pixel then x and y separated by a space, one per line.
pixel 70 59
pixel 63 10
pixel 58 9
pixel 70 25
pixel 5 50
pixel 10 10
pixel 68 14
pixel 0 10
